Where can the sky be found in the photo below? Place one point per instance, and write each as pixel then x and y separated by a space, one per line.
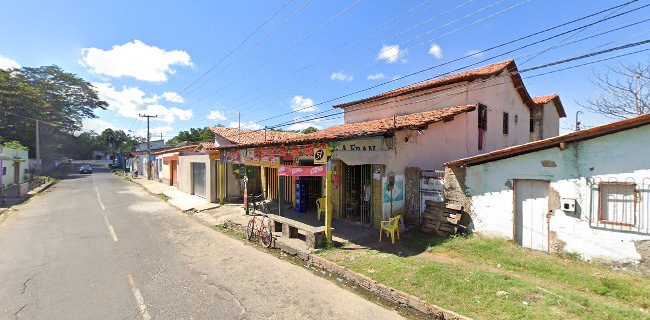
pixel 200 63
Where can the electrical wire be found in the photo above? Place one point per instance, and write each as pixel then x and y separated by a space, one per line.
pixel 481 61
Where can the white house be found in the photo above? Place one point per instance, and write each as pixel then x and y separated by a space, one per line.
pixel 498 113
pixel 13 166
pixel 586 192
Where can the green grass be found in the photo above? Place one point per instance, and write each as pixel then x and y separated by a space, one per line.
pixel 464 274
pixel 163 196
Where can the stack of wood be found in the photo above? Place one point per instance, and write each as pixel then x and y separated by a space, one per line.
pixel 440 218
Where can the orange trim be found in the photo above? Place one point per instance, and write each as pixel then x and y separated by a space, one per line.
pixel 171 158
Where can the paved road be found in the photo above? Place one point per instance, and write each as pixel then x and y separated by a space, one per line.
pixel 97 247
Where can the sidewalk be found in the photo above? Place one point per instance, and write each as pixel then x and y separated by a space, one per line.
pixel 12 201
pixel 177 198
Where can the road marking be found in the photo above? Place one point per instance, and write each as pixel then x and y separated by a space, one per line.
pixel 101 203
pixel 139 299
pixel 110 228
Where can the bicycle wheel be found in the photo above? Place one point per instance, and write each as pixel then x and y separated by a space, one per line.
pixel 267 236
pixel 250 229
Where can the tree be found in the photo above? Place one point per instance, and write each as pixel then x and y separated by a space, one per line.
pixel 309 130
pixel 14 145
pixel 59 99
pixel 625 91
pixel 192 136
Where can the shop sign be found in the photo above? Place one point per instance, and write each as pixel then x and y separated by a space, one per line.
pixel 301 171
pixel 320 156
pixel 374 144
pixel 275 162
pixel 265 161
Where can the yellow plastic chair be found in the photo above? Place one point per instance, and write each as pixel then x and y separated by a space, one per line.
pixel 320 208
pixel 390 227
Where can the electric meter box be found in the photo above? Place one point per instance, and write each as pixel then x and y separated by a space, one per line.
pixel 568 205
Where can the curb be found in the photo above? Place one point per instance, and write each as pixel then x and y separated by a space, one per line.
pixel 390 294
pixel 42 188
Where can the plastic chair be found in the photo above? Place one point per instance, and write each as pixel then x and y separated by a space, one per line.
pixel 320 208
pixel 390 227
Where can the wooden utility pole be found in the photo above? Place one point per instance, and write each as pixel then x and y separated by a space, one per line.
pixel 148 144
pixel 38 150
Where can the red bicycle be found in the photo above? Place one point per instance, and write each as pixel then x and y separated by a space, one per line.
pixel 261 228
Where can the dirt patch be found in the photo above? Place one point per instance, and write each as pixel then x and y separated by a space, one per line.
pixel 643 247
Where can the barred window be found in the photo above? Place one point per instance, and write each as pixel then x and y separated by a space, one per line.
pixel 618 203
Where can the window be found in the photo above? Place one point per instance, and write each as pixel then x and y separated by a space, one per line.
pixel 532 125
pixel 482 125
pixel 617 203
pixel 506 117
pixel 516 118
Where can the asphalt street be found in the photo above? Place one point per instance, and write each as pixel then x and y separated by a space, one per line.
pixel 98 247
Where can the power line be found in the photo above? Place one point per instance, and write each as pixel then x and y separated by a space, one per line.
pixel 482 51
pixel 293 45
pixel 418 36
pixel 234 49
pixel 464 85
pixel 492 48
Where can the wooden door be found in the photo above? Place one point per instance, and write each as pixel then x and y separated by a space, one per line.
pixel 531 209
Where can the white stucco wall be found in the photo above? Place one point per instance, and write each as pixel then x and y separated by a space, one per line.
pixel 9 165
pixel 551 121
pixel 498 94
pixel 618 157
pixel 185 174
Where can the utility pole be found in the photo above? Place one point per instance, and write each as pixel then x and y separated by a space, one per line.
pixel 148 144
pixel 38 150
pixel 239 127
pixel 577 121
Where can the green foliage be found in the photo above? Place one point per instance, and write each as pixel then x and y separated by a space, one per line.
pixel 14 145
pixel 60 99
pixel 464 274
pixel 309 130
pixel 193 136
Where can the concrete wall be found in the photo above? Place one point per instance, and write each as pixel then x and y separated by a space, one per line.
pixel 7 167
pixel 185 181
pixel 573 173
pixel 551 121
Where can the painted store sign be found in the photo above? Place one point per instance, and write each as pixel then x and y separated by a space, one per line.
pixel 371 144
pixel 302 171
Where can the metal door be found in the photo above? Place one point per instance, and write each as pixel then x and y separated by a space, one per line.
pixel 531 209
pixel 431 188
pixel 198 179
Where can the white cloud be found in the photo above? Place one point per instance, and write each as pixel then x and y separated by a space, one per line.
pixel 173 97
pixel 250 125
pixel 301 104
pixel 6 63
pixel 376 76
pixel 340 76
pixel 217 115
pixel 131 101
pixel 436 51
pixel 303 126
pixel 392 54
pixel 134 59
pixel 474 53
pixel 97 125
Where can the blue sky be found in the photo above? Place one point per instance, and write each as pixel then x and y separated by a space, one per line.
pixel 140 54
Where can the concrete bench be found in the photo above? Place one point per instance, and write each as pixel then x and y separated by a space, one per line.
pixel 314 236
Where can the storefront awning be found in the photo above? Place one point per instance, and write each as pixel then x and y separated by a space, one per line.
pixel 355 158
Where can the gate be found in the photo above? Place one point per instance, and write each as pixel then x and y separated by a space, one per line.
pixel 431 188
pixel 198 179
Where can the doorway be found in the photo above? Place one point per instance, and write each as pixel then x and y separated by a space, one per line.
pixel 16 172
pixel 198 179
pixel 531 209
pixel 357 193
